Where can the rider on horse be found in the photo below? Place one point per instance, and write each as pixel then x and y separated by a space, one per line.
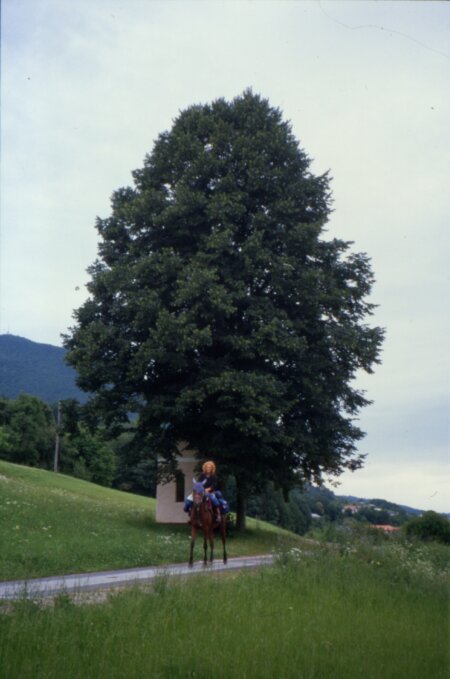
pixel 208 480
pixel 202 515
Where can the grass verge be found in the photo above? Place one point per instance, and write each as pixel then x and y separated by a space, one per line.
pixel 333 615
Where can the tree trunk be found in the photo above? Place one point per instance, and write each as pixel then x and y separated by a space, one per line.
pixel 241 505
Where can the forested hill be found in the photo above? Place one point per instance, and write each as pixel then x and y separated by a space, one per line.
pixel 28 367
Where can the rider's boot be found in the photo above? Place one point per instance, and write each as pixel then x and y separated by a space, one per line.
pixel 217 515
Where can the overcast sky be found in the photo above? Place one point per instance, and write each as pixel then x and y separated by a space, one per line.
pixel 87 85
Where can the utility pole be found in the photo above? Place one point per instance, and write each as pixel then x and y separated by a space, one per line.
pixel 58 427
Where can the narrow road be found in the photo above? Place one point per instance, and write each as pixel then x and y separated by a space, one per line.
pixel 85 582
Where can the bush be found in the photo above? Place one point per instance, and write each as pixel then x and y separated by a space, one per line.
pixel 429 526
pixel 87 456
pixel 292 514
pixel 27 431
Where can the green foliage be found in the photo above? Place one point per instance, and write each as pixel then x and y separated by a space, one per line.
pixel 379 512
pixel 219 313
pixel 429 526
pixel 292 514
pixel 402 561
pixel 6 444
pixel 136 467
pixel 28 431
pixel 322 501
pixel 88 457
pixel 372 515
pixel 329 615
pixel 363 606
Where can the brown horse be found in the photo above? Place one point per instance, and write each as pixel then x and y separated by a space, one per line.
pixel 202 518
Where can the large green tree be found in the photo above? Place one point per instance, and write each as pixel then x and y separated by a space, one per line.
pixel 220 313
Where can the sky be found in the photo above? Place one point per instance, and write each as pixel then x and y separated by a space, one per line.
pixel 86 88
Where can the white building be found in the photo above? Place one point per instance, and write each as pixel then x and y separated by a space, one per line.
pixel 170 496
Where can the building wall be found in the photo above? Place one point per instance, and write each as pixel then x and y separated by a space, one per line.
pixel 168 509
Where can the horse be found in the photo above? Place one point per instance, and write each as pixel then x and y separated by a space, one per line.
pixel 202 518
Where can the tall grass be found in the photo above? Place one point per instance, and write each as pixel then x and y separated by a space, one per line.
pixel 51 524
pixel 335 615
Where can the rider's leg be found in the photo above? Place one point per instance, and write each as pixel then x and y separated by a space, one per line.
pixel 216 507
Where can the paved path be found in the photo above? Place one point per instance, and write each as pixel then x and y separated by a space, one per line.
pixel 85 582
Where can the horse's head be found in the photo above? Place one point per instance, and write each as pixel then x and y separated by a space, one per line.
pixel 197 493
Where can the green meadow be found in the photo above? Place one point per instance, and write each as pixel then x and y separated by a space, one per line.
pixel 364 608
pixel 330 615
pixel 51 524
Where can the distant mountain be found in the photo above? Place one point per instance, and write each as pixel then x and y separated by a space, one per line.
pixel 28 367
pixel 381 504
pixel 324 494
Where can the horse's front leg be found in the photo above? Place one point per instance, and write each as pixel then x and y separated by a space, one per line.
pixel 191 554
pixel 211 544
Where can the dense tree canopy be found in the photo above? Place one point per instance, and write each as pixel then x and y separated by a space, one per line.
pixel 429 526
pixel 27 431
pixel 219 313
pixel 28 434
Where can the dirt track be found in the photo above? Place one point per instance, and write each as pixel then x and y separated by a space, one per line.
pixel 84 583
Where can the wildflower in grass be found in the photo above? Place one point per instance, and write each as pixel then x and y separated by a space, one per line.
pixel 295 553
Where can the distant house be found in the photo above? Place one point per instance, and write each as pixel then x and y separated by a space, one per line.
pixel 350 509
pixel 386 528
pixel 170 496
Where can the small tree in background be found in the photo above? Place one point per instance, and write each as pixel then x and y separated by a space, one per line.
pixel 28 431
pixel 88 456
pixel 429 526
pixel 218 312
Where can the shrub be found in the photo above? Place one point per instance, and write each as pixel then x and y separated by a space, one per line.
pixel 429 526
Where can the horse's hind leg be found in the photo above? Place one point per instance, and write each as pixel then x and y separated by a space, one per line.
pixel 211 546
pixel 223 531
pixel 205 550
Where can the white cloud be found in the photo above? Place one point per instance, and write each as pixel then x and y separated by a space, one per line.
pixel 419 485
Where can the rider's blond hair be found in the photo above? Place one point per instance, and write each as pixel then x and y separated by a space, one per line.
pixel 209 463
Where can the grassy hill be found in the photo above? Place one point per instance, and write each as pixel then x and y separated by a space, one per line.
pixel 37 369
pixel 360 609
pixel 51 524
